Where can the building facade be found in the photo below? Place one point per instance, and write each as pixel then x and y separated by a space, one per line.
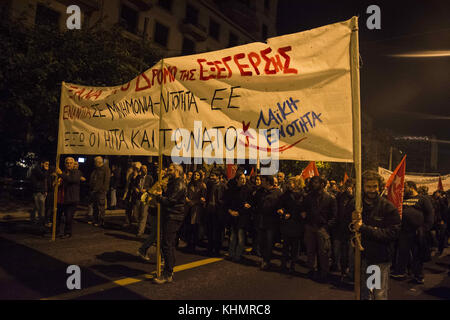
pixel 174 27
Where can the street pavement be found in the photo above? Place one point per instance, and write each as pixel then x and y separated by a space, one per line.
pixel 34 267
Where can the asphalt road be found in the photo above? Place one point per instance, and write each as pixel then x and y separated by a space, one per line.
pixel 34 267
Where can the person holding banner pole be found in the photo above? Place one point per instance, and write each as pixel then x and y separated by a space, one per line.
pixel 172 216
pixel 379 225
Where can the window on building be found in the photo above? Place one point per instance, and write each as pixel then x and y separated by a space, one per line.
pixel 191 15
pixel 161 35
pixel 129 18
pixel 166 4
pixel 264 31
pixel 46 16
pixel 214 29
pixel 233 41
pixel 188 46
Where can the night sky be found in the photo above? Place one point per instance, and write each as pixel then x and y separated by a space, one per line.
pixel 410 96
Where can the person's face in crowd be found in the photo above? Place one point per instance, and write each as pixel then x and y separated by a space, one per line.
pixel 316 185
pixel 280 177
pixel 258 181
pixel 408 191
pixel 171 171
pixel 291 185
pixel 196 176
pixel 242 180
pixel 265 184
pixel 75 165
pixel 45 165
pixel 69 164
pixel 98 162
pixel 144 170
pixel 275 182
pixel 371 189
pixel 189 175
pixel 333 186
pixel 349 190
pixel 213 177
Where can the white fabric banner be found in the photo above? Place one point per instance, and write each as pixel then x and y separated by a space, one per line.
pixel 430 182
pixel 214 104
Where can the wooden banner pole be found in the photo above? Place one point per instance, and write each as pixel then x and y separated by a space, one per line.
pixel 356 107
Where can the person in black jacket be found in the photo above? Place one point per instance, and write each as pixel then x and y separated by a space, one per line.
pixel 417 220
pixel 441 221
pixel 379 227
pixel 290 224
pixel 195 202
pixel 99 185
pixel 269 219
pixel 114 185
pixel 172 201
pixel 39 183
pixel 238 205
pixel 256 191
pixel 343 251
pixel 71 194
pixel 319 210
pixel 215 219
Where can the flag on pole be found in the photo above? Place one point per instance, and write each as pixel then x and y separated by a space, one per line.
pixel 345 178
pixel 440 186
pixel 395 184
pixel 310 171
pixel 231 171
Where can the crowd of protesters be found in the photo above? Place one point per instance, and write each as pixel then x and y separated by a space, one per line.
pixel 254 214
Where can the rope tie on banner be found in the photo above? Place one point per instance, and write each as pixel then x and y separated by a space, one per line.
pixel 356 239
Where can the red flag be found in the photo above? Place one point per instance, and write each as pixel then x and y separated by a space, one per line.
pixel 345 177
pixel 440 186
pixel 395 184
pixel 231 171
pixel 252 173
pixel 310 171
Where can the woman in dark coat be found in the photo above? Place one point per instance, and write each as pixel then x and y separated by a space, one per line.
pixel 291 223
pixel 238 206
pixel 195 201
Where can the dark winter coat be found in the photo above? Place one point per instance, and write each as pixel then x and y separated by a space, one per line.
pixel 321 210
pixel 194 208
pixel 215 204
pixel 99 181
pixel 268 207
pixel 380 229
pixel 236 197
pixel 290 202
pixel 346 206
pixel 71 186
pixel 39 180
pixel 173 199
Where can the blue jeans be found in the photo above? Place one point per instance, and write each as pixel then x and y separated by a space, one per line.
pixel 344 255
pixel 237 242
pixel 375 294
pixel 39 205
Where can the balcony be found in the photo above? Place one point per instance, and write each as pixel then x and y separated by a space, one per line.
pixel 197 31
